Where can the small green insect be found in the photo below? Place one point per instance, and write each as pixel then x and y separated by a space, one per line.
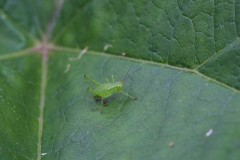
pixel 105 90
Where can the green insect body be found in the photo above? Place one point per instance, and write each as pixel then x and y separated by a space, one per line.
pixel 105 90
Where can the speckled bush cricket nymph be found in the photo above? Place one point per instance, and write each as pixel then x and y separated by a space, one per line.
pixel 103 91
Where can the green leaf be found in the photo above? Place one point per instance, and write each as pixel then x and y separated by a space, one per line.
pixel 188 103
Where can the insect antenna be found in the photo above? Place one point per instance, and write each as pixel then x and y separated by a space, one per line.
pixel 127 76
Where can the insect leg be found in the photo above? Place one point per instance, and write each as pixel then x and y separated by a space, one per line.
pixel 91 91
pixel 89 79
pixel 134 98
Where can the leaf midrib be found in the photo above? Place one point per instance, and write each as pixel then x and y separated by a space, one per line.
pixel 42 101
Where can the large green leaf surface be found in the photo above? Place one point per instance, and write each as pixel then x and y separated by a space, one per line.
pixel 188 104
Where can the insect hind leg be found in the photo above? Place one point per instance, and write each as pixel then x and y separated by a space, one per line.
pixel 133 98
